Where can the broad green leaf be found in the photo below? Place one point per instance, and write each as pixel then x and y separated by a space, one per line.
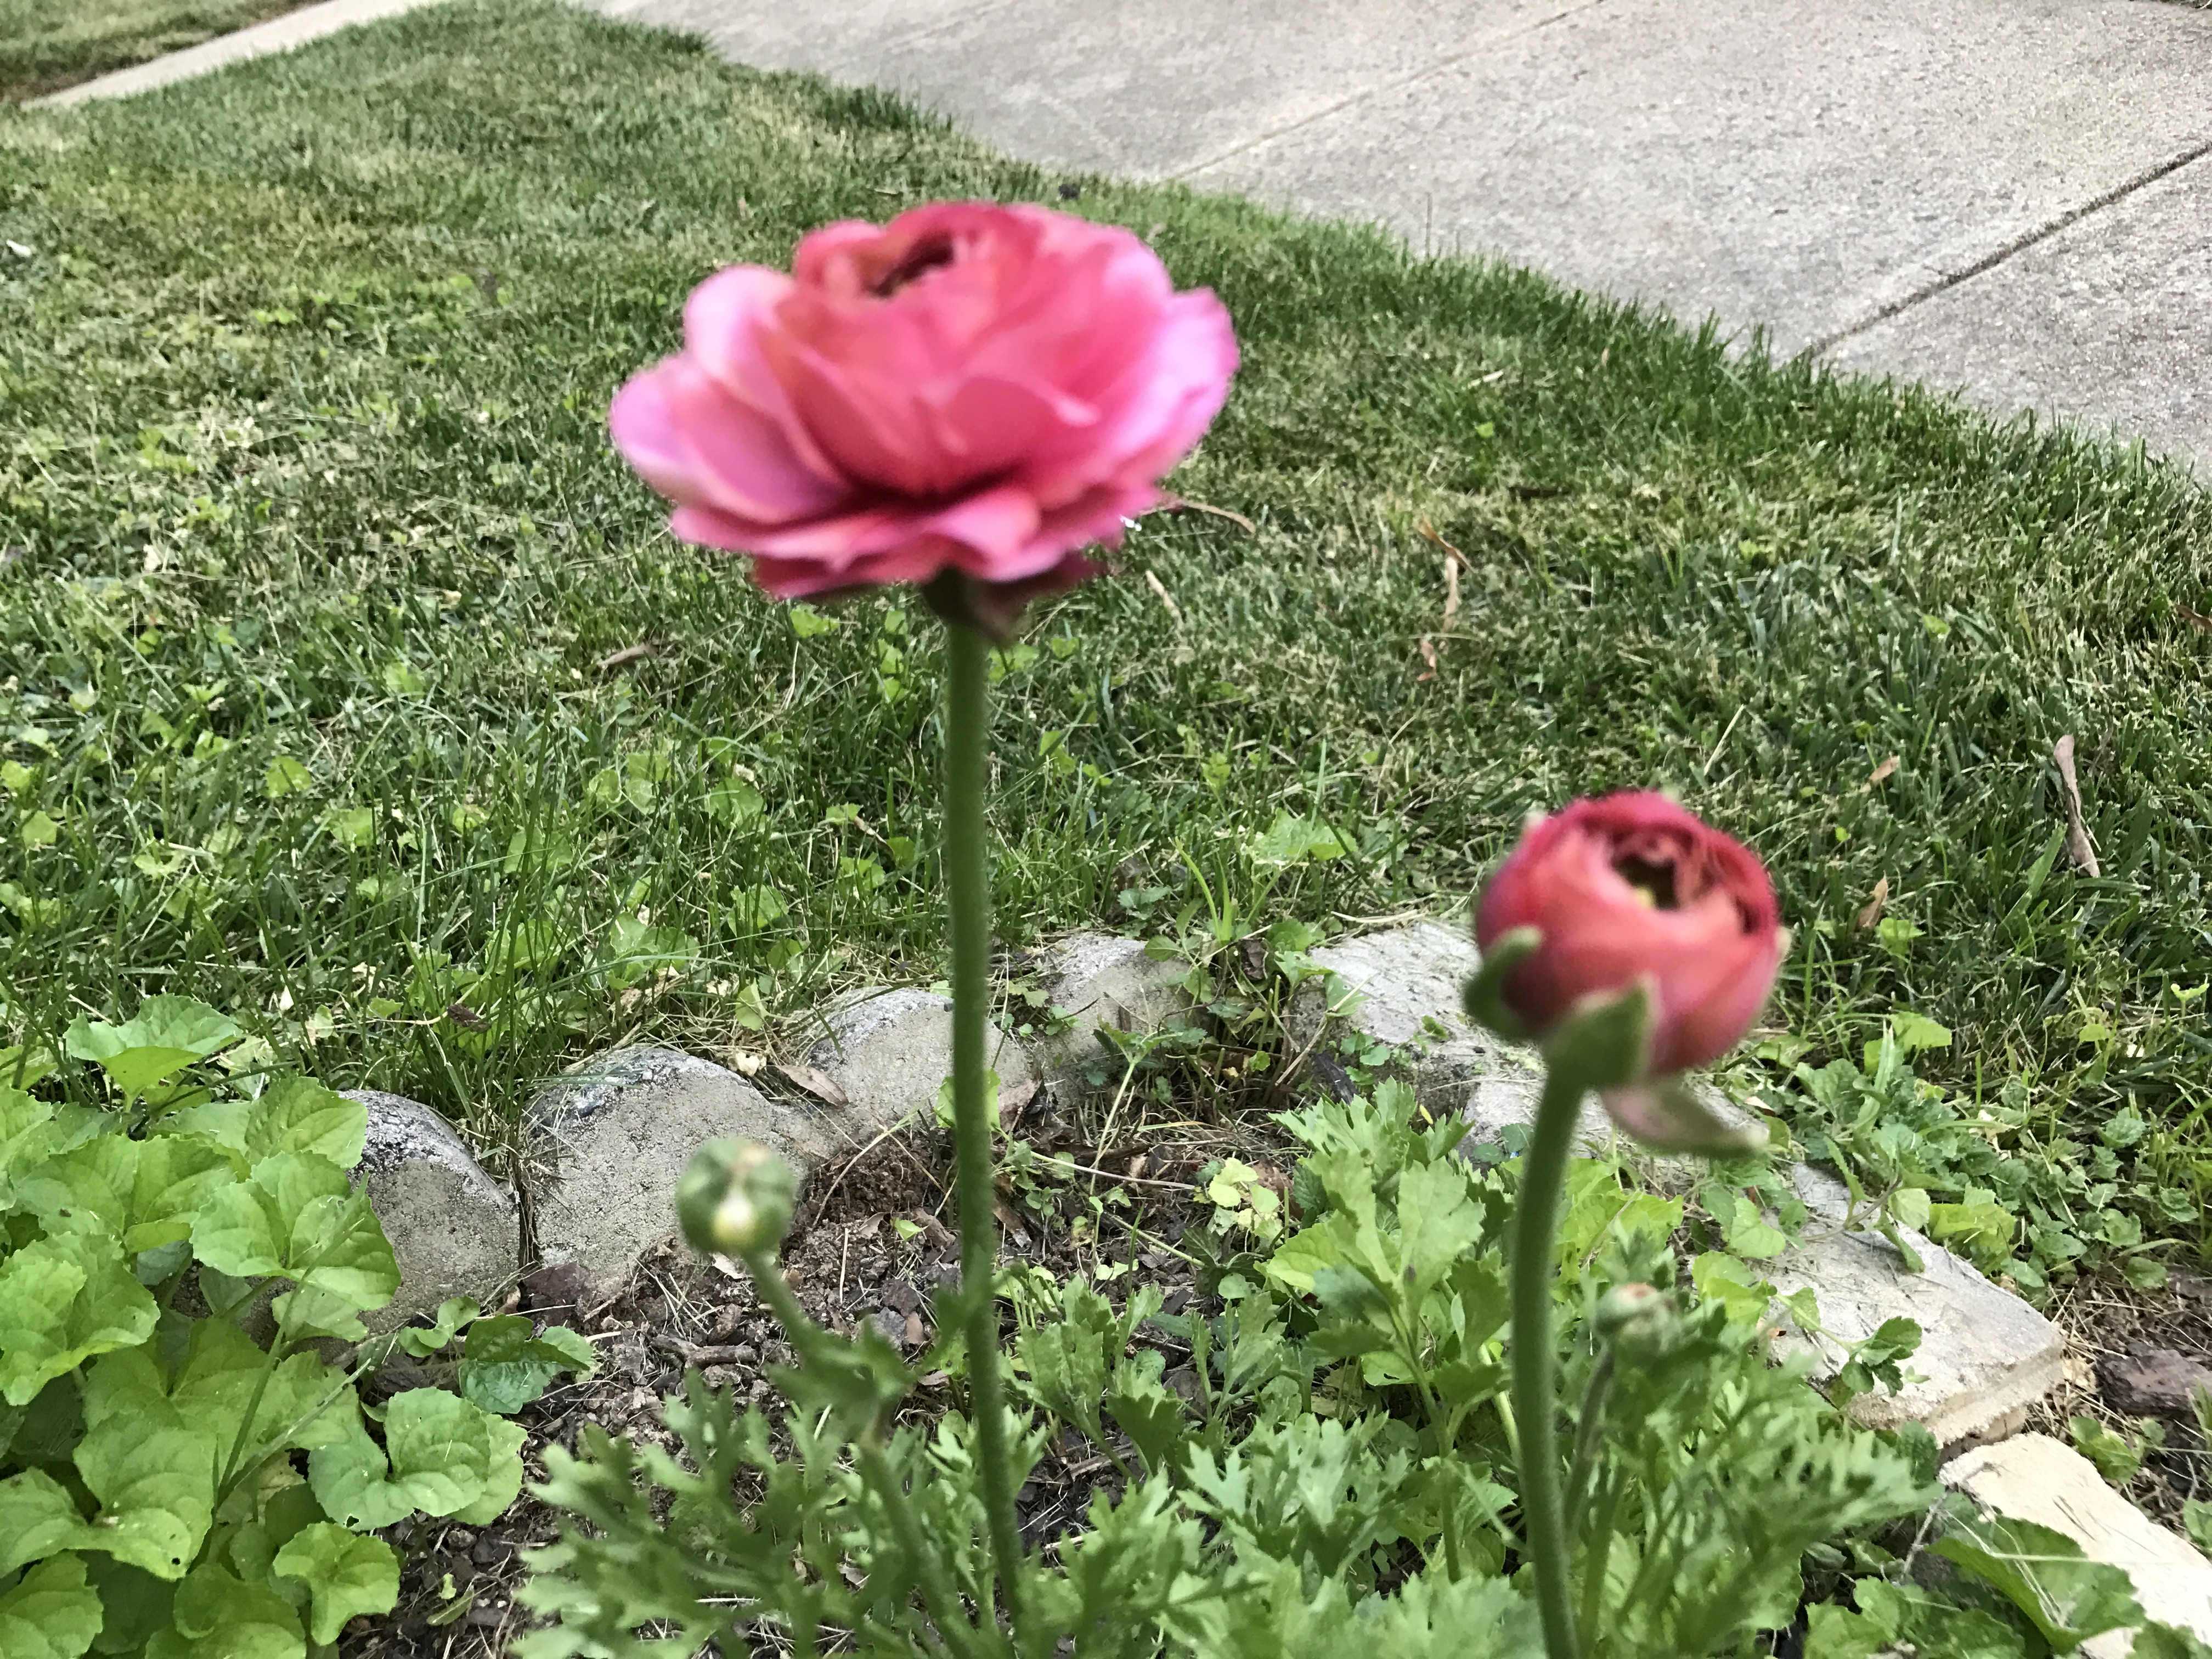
pixel 298 1114
pixel 504 1368
pixel 166 1034
pixel 1833 1633
pixel 344 1572
pixel 2165 1642
pixel 218 1617
pixel 151 1454
pixel 153 1472
pixel 63 1300
pixel 286 776
pixel 2066 1596
pixel 1720 1277
pixel 441 1455
pixel 143 1192
pixel 299 1218
pixel 734 803
pixel 1984 1225
pixel 36 1519
pixel 52 1615
pixel 1746 1233
pixel 26 1136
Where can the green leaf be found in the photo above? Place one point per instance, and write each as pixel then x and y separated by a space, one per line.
pixel 286 776
pixel 734 803
pixel 300 1219
pixel 453 1315
pixel 52 1615
pixel 298 1114
pixel 2165 1642
pixel 143 1192
pixel 166 1035
pixel 37 1518
pixel 353 827
pixel 1913 1032
pixel 505 1368
pixel 344 1572
pixel 1746 1233
pixel 2066 1596
pixel 1982 1226
pixel 1721 1278
pixel 217 1617
pixel 63 1300
pixel 443 1455
pixel 151 1454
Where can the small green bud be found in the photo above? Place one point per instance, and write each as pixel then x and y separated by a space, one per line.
pixel 1636 1319
pixel 736 1198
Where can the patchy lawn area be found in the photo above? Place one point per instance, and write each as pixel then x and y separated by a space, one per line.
pixel 349 682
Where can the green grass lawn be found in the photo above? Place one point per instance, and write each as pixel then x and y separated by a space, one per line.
pixel 322 562
pixel 47 45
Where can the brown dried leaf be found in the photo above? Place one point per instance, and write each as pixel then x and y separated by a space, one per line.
pixel 1886 770
pixel 1872 913
pixel 822 1087
pixel 1014 1100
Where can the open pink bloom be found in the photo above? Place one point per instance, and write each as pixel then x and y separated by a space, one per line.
pixel 971 388
pixel 1631 887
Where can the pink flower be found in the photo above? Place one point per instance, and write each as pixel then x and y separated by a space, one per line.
pixel 972 387
pixel 1629 888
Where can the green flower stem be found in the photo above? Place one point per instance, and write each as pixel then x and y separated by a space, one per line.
pixel 968 888
pixel 1535 1239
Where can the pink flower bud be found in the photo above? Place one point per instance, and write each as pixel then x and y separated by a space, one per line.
pixel 1631 887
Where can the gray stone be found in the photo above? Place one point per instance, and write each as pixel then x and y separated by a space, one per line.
pixel 1985 1356
pixel 608 1141
pixel 1104 980
pixel 887 1051
pixel 1406 985
pixel 2032 1478
pixel 1505 1097
pixel 1809 169
pixel 455 1230
pixel 292 30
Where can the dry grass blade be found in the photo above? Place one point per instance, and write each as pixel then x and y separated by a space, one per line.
pixel 1165 598
pixel 1184 504
pixel 628 654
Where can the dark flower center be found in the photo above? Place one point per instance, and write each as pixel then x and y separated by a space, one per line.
pixel 1654 880
pixel 925 256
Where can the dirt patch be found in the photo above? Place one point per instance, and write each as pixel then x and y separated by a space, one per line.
pixel 873 1242
pixel 2107 1323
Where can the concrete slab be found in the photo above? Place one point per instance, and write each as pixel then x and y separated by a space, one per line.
pixel 1808 166
pixel 2033 1477
pixel 295 28
pixel 2107 323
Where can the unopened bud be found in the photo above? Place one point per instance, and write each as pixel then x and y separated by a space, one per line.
pixel 735 1198
pixel 1635 1318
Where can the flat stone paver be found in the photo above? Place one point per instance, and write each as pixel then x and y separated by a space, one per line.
pixel 294 28
pixel 2005 196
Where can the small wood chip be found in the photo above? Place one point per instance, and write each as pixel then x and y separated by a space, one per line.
pixel 2079 848
pixel 1165 598
pixel 1876 906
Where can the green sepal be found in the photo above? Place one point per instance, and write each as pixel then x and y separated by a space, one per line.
pixel 1605 1041
pixel 1482 996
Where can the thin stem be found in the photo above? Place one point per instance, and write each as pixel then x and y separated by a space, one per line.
pixel 1535 1238
pixel 968 888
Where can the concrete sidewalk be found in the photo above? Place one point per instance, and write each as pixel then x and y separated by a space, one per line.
pixel 2011 196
